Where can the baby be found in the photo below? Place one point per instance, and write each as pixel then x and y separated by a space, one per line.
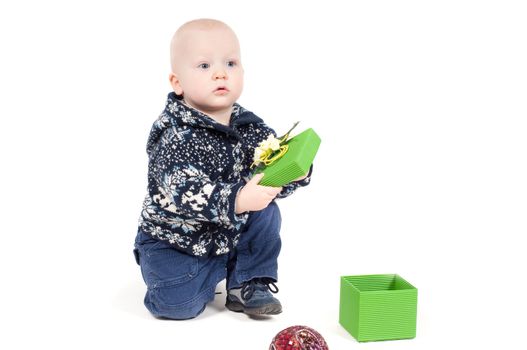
pixel 205 218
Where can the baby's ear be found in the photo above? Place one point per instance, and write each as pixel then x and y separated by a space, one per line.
pixel 176 86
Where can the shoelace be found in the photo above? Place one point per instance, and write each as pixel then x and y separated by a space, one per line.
pixel 249 287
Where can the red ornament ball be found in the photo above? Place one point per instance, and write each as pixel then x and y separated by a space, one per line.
pixel 298 338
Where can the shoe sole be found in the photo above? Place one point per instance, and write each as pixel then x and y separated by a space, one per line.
pixel 269 309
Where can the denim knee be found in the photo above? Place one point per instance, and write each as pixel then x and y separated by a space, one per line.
pixel 179 285
pixel 157 305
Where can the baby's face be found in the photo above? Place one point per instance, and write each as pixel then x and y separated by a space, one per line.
pixel 208 69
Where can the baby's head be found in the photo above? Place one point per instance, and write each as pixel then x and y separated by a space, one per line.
pixel 206 65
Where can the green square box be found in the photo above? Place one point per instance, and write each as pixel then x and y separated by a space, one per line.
pixel 295 162
pixel 378 307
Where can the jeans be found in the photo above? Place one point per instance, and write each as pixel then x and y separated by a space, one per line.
pixel 180 285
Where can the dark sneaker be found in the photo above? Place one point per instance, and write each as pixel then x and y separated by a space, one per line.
pixel 254 298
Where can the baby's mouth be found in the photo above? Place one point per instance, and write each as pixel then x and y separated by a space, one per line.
pixel 221 89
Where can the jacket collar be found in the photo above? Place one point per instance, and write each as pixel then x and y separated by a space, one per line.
pixel 182 114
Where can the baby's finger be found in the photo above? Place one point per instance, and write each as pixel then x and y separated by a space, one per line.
pixel 256 178
pixel 273 191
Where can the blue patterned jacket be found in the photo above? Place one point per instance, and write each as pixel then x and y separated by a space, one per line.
pixel 196 168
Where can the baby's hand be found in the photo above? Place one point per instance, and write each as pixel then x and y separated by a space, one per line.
pixel 253 197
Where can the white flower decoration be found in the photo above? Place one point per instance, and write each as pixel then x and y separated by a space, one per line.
pixel 266 147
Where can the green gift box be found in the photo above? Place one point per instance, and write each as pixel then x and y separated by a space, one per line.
pixel 378 307
pixel 295 162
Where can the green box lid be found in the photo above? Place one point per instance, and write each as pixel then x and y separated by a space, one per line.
pixel 295 163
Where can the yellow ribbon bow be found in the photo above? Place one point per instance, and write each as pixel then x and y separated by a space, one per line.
pixel 272 149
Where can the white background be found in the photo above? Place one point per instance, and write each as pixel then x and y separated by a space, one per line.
pixel 421 106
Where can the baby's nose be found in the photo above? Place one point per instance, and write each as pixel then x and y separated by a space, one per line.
pixel 220 74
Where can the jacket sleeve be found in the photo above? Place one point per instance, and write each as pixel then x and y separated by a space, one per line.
pixel 180 184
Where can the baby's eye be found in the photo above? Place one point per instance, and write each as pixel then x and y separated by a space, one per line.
pixel 204 65
pixel 231 63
